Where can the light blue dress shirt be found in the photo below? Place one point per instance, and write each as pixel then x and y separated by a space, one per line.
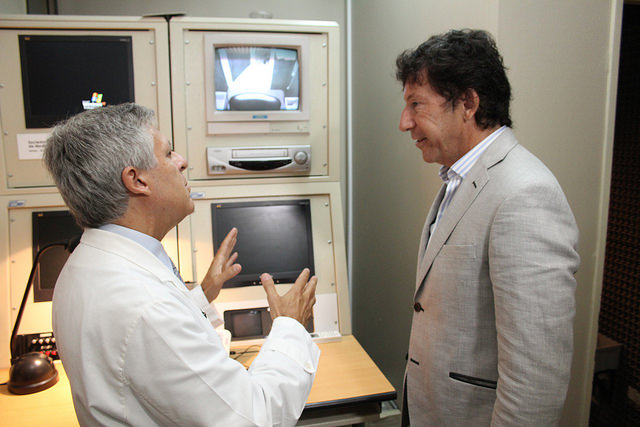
pixel 151 244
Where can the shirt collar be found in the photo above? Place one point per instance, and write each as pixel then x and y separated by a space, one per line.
pixel 466 162
pixel 151 244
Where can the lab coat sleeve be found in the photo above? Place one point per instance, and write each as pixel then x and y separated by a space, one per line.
pixel 200 299
pixel 180 371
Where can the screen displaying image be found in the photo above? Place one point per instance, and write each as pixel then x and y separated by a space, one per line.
pixel 65 75
pixel 256 78
pixel 273 237
pixel 248 323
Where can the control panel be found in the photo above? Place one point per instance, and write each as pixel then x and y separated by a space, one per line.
pixel 43 342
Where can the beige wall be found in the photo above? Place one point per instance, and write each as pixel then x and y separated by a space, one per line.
pixel 13 7
pixel 325 10
pixel 558 55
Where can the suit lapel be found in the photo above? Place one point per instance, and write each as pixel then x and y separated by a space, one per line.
pixel 431 216
pixel 465 195
pixel 463 198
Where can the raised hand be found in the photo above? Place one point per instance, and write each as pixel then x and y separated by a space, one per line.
pixel 297 303
pixel 222 267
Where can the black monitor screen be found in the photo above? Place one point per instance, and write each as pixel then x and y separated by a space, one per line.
pixel 50 227
pixel 65 75
pixel 273 237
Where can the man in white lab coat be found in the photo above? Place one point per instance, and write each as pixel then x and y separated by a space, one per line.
pixel 138 346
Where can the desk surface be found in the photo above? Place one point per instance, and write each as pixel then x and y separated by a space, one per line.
pixel 346 375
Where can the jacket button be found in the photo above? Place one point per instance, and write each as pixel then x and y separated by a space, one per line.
pixel 417 307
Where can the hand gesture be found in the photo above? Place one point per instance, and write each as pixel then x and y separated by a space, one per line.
pixel 222 267
pixel 297 303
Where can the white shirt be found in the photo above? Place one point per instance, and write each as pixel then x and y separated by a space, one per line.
pixel 138 351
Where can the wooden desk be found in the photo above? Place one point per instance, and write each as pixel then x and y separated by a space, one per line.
pixel 348 389
pixel 51 407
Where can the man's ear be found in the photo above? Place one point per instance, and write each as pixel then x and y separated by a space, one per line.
pixel 470 103
pixel 135 181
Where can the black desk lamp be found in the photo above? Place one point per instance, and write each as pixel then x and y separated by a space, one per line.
pixel 34 371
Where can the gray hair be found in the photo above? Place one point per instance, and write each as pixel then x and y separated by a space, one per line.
pixel 87 153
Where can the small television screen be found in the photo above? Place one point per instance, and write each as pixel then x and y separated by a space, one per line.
pixel 251 323
pixel 50 227
pixel 65 75
pixel 256 78
pixel 273 237
pixel 248 323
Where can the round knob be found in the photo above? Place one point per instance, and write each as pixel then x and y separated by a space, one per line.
pixel 301 157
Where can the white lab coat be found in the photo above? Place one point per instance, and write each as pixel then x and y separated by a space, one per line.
pixel 138 350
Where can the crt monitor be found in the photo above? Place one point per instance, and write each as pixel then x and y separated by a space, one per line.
pixel 50 227
pixel 64 75
pixel 262 94
pixel 254 77
pixel 274 237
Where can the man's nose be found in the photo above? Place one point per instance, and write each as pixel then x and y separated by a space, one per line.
pixel 406 122
pixel 180 161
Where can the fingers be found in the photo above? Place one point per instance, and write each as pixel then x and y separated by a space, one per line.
pixel 222 263
pixel 230 272
pixel 222 266
pixel 228 243
pixel 273 299
pixel 310 288
pixel 267 284
pixel 297 303
pixel 309 297
pixel 302 280
pixel 232 234
pixel 231 260
pixel 302 285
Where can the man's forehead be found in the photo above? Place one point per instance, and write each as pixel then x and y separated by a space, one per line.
pixel 415 89
pixel 159 137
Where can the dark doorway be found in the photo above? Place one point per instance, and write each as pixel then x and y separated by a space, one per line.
pixel 616 387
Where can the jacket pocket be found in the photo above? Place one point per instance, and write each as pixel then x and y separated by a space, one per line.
pixel 480 382
pixel 458 251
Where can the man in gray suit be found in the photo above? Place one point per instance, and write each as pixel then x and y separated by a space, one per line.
pixel 492 332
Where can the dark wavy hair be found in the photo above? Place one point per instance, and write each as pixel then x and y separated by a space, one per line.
pixel 456 61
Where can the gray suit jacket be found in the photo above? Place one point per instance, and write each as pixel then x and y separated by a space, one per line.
pixel 492 332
